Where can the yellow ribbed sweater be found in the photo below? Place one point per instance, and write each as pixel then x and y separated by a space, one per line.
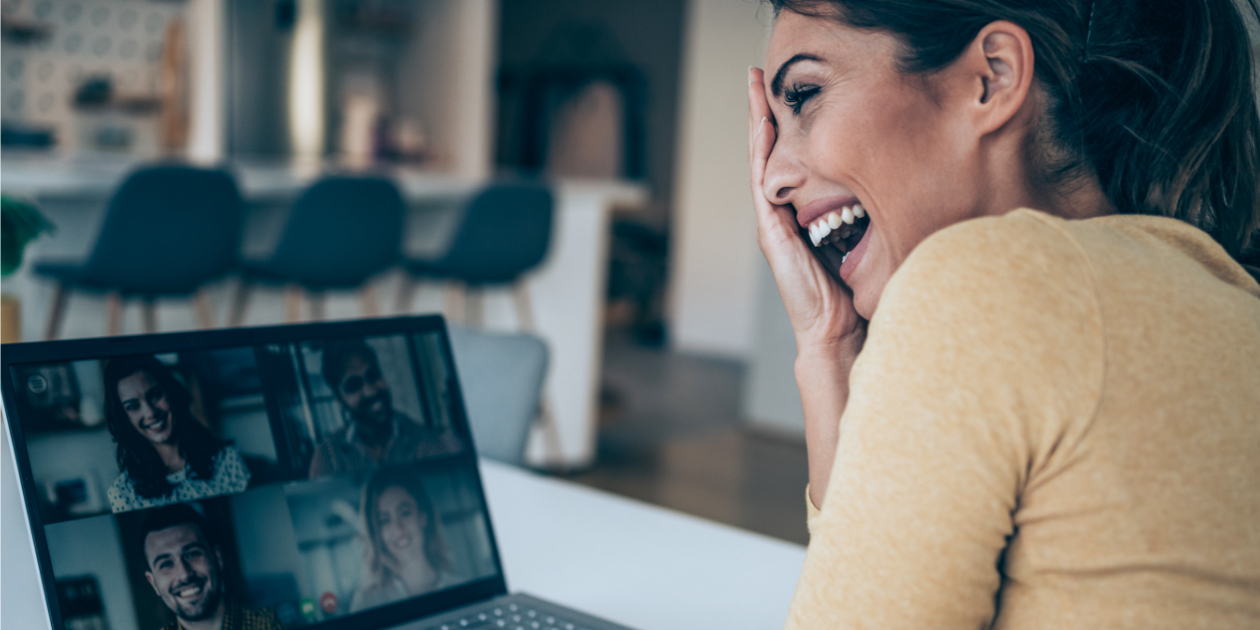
pixel 1053 424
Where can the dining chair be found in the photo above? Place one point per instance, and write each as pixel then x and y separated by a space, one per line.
pixel 168 231
pixel 341 231
pixel 501 376
pixel 504 231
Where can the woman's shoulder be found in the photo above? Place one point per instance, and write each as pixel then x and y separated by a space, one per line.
pixel 122 495
pixel 122 488
pixel 1010 268
pixel 1016 247
pixel 375 594
pixel 229 454
pixel 230 472
pixel 1028 248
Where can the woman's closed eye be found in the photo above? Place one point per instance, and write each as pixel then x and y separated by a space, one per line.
pixel 797 95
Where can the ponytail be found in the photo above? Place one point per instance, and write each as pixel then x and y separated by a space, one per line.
pixel 1155 97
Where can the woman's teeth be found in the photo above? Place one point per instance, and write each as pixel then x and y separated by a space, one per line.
pixel 829 225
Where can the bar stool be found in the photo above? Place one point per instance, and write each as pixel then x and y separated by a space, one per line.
pixel 505 231
pixel 341 231
pixel 167 232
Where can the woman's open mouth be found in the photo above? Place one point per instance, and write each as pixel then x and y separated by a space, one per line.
pixel 157 425
pixel 840 230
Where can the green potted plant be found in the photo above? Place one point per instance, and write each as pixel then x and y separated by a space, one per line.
pixel 20 223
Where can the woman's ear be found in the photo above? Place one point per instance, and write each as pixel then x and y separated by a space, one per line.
pixel 999 67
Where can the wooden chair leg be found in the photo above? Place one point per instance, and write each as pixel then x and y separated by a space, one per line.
pixel 454 302
pixel 524 305
pixel 368 302
pixel 202 310
pixel 149 308
pixel 113 313
pixel 316 298
pixel 406 294
pixel 292 304
pixel 552 445
pixel 57 312
pixel 474 309
pixel 240 302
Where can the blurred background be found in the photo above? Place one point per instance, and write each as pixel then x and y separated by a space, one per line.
pixel 669 375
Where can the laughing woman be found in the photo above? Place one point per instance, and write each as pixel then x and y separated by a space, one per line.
pixel 1007 235
pixel 164 454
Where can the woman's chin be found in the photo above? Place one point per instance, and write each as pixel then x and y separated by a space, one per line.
pixel 865 300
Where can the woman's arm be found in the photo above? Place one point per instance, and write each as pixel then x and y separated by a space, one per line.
pixel 822 375
pixel 984 362
pixel 829 332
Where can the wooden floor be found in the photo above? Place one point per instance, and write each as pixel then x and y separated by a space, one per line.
pixel 672 436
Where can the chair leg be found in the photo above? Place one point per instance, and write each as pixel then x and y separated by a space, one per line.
pixel 524 305
pixel 113 313
pixel 552 447
pixel 406 294
pixel 368 302
pixel 57 312
pixel 149 308
pixel 317 301
pixel 474 309
pixel 240 302
pixel 202 309
pixel 455 302
pixel 292 304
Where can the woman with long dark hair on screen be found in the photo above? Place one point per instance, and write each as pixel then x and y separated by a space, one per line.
pixel 405 554
pixel 165 455
pixel 1016 241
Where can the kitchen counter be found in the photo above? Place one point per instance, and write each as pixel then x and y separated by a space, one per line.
pixel 568 288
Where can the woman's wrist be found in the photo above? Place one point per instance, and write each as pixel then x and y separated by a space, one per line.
pixel 842 350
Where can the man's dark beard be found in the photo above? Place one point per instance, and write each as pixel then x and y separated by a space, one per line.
pixel 212 603
pixel 374 427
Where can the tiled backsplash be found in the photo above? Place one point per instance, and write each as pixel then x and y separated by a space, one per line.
pixel 120 39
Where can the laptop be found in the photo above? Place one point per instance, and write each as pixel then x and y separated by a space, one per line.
pixel 316 475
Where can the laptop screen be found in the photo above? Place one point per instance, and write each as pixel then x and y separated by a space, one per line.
pixel 274 477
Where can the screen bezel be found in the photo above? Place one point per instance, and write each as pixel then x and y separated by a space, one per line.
pixel 105 347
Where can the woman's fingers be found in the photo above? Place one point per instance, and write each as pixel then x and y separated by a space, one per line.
pixel 758 107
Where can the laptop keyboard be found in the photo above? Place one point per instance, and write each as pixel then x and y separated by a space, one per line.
pixel 509 617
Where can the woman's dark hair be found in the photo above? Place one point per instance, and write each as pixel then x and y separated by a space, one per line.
pixel 380 563
pixel 1154 96
pixel 136 456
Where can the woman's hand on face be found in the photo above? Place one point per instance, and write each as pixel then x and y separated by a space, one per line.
pixel 819 306
pixel 829 332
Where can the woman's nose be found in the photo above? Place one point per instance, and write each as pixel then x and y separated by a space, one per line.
pixel 783 174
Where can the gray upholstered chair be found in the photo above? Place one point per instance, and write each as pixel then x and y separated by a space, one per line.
pixel 501 376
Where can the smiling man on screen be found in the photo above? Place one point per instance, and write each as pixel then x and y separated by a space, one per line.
pixel 186 570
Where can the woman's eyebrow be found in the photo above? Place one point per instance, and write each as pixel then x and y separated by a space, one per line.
pixel 776 86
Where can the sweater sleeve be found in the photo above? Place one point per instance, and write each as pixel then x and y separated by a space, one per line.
pixel 983 360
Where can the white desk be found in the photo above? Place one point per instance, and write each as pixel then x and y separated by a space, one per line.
pixel 568 288
pixel 633 563
pixel 629 562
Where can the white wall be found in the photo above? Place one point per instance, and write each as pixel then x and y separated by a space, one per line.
pixel 771 400
pixel 91 546
pixel 207 107
pixel 714 251
pixel 447 81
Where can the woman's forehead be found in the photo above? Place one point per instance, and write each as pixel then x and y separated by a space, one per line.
pixel 140 379
pixel 824 40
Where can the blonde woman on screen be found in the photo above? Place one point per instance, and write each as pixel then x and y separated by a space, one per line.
pixel 405 553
